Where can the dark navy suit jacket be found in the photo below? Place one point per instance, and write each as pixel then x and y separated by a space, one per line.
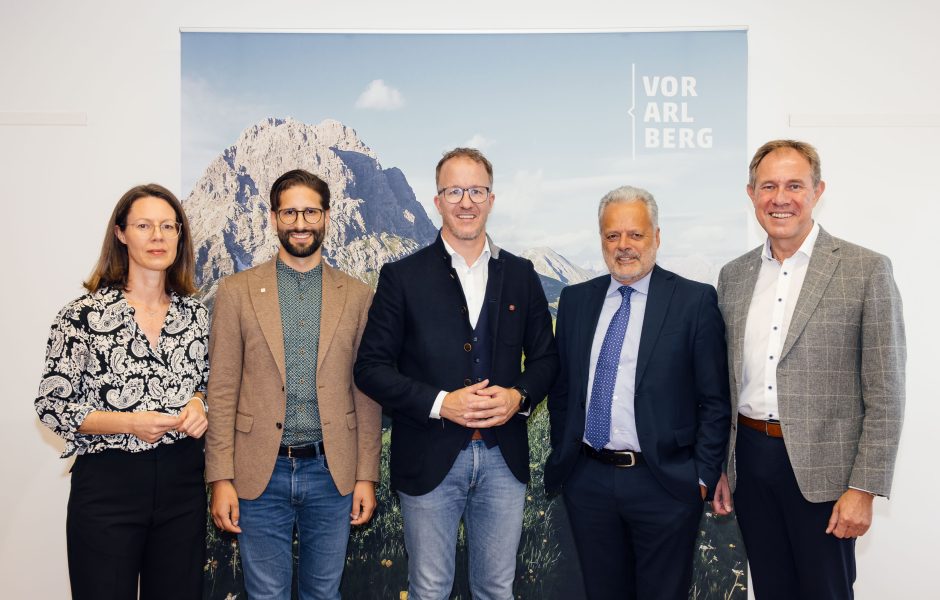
pixel 682 403
pixel 416 343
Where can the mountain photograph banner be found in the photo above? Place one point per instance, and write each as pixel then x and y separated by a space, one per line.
pixel 564 117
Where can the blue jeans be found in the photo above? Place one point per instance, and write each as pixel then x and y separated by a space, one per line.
pixel 481 489
pixel 301 492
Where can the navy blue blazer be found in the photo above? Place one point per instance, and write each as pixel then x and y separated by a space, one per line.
pixel 413 347
pixel 682 402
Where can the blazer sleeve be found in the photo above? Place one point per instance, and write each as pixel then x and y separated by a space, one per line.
pixel 376 369
pixel 711 382
pixel 226 353
pixel 540 364
pixel 883 358
pixel 558 396
pixel 368 416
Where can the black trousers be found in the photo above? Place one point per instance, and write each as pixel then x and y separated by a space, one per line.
pixel 634 539
pixel 788 550
pixel 138 519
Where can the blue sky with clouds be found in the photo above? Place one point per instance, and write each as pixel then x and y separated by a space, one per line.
pixel 549 109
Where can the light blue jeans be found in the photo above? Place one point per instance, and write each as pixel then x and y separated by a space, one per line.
pixel 301 492
pixel 481 489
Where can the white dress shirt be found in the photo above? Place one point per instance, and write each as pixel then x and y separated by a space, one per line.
pixel 768 320
pixel 473 279
pixel 623 434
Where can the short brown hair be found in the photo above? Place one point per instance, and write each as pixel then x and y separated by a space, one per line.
pixel 471 153
pixel 805 150
pixel 111 270
pixel 299 177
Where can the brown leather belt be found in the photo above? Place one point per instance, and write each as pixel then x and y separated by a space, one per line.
pixel 771 428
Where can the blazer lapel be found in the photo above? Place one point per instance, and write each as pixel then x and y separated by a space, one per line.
pixel 493 294
pixel 742 304
pixel 587 326
pixel 818 274
pixel 264 300
pixel 331 310
pixel 662 285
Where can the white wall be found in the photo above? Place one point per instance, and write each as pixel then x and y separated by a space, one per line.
pixel 118 62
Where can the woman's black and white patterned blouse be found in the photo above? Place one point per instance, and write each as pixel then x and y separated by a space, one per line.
pixel 98 359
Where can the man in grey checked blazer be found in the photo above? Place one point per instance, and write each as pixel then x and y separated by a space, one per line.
pixel 816 353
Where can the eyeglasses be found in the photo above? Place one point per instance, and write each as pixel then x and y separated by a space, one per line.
pixel 452 195
pixel 146 228
pixel 288 216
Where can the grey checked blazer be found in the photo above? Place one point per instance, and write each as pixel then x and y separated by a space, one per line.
pixel 840 377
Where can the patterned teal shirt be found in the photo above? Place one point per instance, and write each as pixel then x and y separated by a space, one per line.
pixel 300 296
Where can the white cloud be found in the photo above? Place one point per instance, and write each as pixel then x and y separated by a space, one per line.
pixel 380 96
pixel 479 141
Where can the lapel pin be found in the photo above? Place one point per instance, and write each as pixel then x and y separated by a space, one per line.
pixel 512 307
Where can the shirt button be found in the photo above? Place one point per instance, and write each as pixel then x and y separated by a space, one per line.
pixel 770 387
pixel 301 351
pixel 779 299
pixel 300 296
pixel 476 360
pixel 771 358
pixel 467 381
pixel 303 323
pixel 785 273
pixel 302 381
pixel 279 426
pixel 775 328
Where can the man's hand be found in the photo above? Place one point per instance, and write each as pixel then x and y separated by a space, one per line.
pixel 851 515
pixel 721 503
pixel 457 403
pixel 363 504
pixel 150 426
pixel 493 406
pixel 193 421
pixel 224 507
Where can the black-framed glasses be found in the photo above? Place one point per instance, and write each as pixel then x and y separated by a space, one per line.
pixel 288 216
pixel 454 194
pixel 170 229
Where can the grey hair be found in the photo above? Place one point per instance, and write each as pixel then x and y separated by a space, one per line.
pixel 627 194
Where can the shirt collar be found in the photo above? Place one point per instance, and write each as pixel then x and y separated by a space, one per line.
pixel 806 248
pixel 641 285
pixel 286 269
pixel 485 255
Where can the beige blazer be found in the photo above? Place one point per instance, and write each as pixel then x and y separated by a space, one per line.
pixel 247 397
pixel 840 375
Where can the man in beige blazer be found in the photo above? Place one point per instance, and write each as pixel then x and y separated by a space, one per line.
pixel 291 440
pixel 816 353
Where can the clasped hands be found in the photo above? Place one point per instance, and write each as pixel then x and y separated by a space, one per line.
pixel 481 405
pixel 150 425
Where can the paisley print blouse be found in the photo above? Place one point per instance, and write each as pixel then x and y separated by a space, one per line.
pixel 98 359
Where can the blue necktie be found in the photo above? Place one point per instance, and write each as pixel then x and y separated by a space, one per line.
pixel 597 428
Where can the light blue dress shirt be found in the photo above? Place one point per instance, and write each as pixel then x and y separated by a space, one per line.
pixel 622 420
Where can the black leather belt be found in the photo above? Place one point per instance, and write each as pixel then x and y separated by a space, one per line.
pixel 617 458
pixel 307 451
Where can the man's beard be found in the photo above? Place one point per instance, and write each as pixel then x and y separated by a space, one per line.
pixel 316 238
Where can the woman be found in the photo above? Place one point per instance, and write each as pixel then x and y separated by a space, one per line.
pixel 124 384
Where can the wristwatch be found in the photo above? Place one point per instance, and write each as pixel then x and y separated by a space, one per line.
pixel 525 403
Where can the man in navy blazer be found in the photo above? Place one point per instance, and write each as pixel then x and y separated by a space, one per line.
pixel 639 412
pixel 443 352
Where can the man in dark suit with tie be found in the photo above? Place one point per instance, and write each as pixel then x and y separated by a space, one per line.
pixel 442 352
pixel 639 412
